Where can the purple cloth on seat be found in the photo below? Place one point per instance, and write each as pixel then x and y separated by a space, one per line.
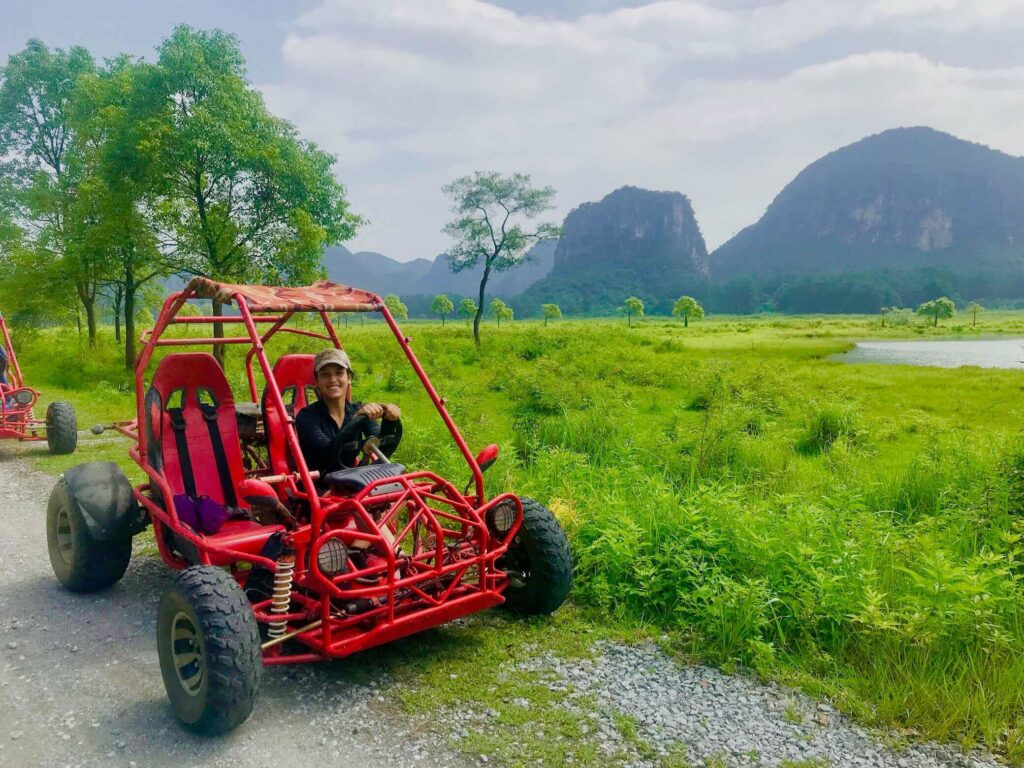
pixel 212 515
pixel 187 512
pixel 203 514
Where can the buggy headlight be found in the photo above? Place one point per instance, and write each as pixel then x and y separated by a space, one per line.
pixel 24 397
pixel 332 557
pixel 502 517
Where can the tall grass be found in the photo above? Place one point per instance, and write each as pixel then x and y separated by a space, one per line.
pixel 855 529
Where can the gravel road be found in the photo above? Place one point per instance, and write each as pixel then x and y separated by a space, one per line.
pixel 80 683
pixel 727 720
pixel 80 686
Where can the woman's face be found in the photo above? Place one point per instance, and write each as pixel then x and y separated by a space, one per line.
pixel 332 381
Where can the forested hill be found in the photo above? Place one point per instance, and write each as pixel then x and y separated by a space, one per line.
pixel 633 242
pixel 907 198
pixel 384 275
pixel 373 271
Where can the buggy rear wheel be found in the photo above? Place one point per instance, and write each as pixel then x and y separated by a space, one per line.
pixel 538 563
pixel 61 428
pixel 209 649
pixel 80 562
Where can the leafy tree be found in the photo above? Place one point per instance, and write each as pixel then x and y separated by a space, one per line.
pixel 687 307
pixel 239 196
pixel 633 306
pixel 885 312
pixel 501 311
pixel 974 308
pixel 395 306
pixel 551 312
pixel 37 145
pixel 468 309
pixel 114 196
pixel 900 316
pixel 942 308
pixel 442 305
pixel 490 209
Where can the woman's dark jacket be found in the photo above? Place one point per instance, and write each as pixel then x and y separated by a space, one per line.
pixel 328 447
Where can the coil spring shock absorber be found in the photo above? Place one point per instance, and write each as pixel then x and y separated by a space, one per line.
pixel 281 600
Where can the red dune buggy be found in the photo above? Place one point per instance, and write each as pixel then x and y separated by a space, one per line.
pixel 279 565
pixel 17 420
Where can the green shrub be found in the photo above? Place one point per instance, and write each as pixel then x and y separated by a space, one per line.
pixel 830 423
pixel 400 380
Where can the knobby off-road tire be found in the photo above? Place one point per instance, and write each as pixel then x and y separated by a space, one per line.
pixel 209 649
pixel 539 563
pixel 61 428
pixel 81 563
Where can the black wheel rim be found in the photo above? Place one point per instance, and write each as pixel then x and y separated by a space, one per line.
pixel 187 654
pixel 64 540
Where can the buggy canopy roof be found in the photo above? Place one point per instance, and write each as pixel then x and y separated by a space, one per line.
pixel 323 295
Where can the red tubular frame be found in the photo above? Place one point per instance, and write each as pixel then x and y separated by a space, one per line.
pixel 407 594
pixel 16 422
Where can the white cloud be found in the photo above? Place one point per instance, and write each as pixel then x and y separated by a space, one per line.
pixel 722 104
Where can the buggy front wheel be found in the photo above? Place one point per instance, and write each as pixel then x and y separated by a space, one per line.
pixel 538 563
pixel 209 648
pixel 61 428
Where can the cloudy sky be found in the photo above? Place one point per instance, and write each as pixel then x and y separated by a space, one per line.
pixel 723 100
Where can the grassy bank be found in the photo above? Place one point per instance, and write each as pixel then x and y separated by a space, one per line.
pixel 852 528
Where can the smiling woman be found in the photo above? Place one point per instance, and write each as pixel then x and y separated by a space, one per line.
pixel 333 429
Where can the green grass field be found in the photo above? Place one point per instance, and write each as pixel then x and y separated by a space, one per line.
pixel 853 529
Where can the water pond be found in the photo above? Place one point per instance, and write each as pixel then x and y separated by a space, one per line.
pixel 984 353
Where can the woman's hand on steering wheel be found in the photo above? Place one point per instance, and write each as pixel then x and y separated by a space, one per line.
pixel 371 411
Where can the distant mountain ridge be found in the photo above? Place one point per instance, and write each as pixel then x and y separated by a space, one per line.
pixel 893 219
pixel 632 242
pixel 423 277
pixel 904 198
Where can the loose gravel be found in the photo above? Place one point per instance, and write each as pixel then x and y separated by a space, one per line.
pixel 720 719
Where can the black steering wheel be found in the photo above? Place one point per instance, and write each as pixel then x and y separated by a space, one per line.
pixel 351 438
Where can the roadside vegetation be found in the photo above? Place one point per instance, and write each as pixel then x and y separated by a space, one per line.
pixel 853 529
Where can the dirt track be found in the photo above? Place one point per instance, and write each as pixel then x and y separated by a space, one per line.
pixel 80 683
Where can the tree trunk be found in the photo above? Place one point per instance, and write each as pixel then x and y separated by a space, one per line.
pixel 686 321
pixel 90 318
pixel 442 321
pixel 89 303
pixel 218 332
pixel 480 305
pixel 118 296
pixel 129 315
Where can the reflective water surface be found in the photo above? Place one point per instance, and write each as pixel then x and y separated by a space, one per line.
pixel 984 353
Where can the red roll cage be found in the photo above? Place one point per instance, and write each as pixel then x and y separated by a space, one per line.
pixel 274 306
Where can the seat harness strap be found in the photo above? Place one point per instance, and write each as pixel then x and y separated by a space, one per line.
pixel 184 459
pixel 221 459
